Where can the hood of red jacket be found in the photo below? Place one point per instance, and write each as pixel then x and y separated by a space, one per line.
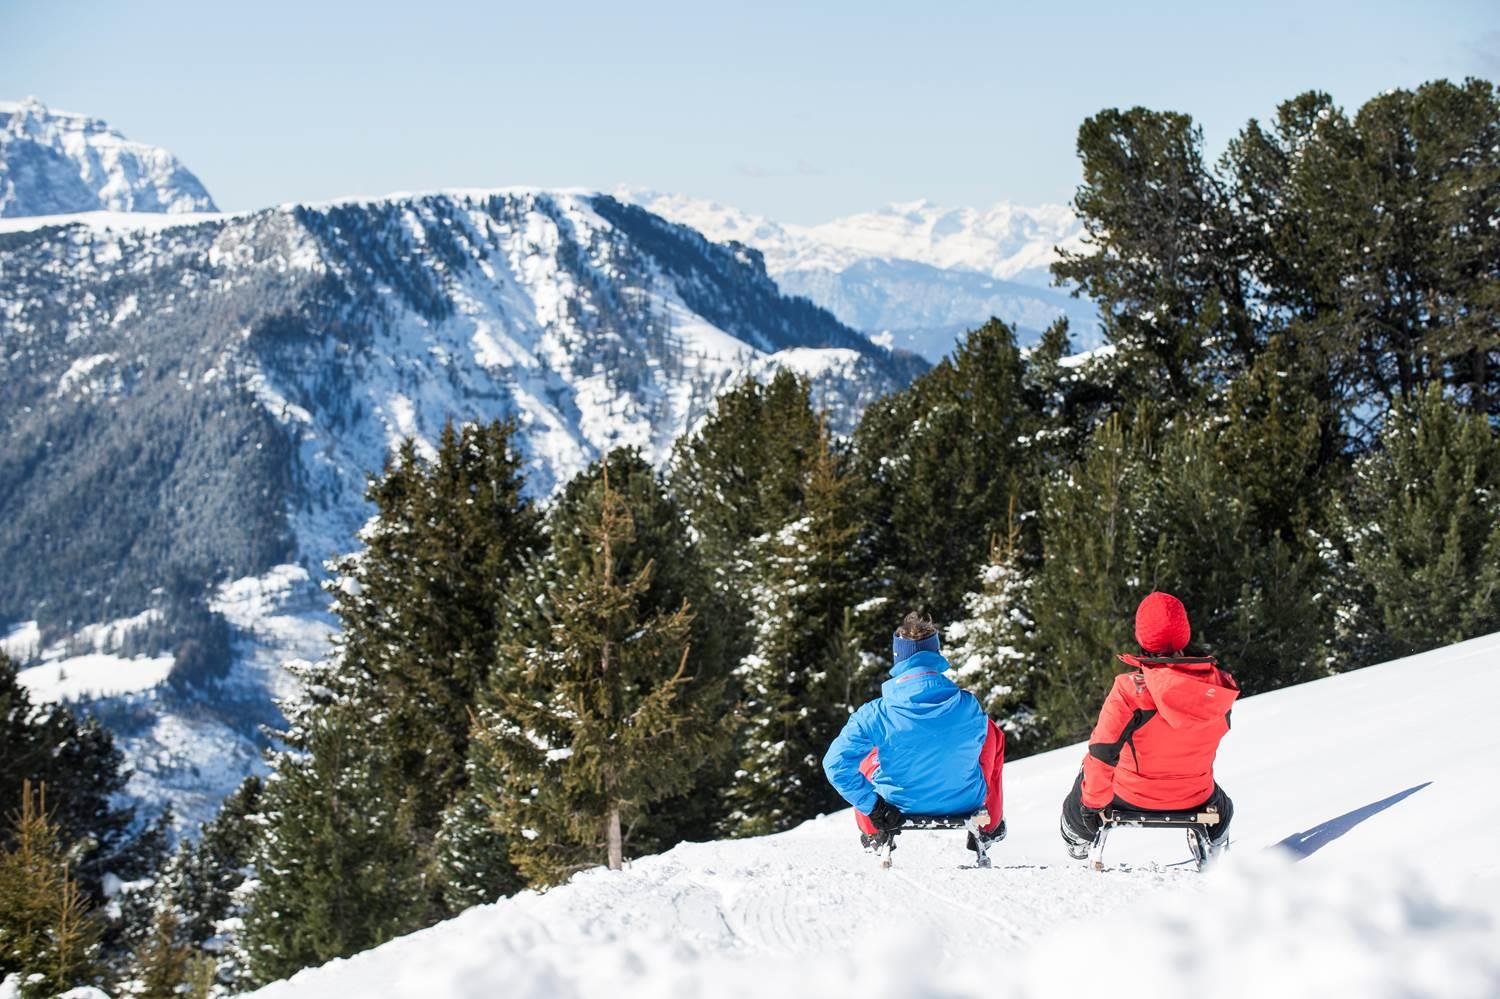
pixel 1189 693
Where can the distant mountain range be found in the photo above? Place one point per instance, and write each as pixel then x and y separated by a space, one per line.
pixel 913 275
pixel 55 162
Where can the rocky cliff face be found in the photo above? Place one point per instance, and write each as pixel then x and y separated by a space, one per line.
pixel 53 162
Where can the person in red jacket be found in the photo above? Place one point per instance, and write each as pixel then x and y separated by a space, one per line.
pixel 1153 748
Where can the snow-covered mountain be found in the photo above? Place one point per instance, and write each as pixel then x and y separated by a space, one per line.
pixel 54 162
pixel 1354 871
pixel 203 402
pixel 912 275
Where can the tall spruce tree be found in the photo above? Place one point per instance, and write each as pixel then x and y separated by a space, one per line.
pixel 741 472
pixel 356 814
pixel 420 606
pixel 1081 598
pixel 939 465
pixel 987 647
pixel 600 706
pixel 805 671
pixel 740 477
pixel 1153 506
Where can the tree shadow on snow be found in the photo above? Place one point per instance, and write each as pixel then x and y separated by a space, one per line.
pixel 1305 844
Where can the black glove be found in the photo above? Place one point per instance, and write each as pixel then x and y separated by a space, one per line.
pixel 1092 820
pixel 885 816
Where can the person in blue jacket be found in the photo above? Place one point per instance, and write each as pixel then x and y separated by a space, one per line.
pixel 924 747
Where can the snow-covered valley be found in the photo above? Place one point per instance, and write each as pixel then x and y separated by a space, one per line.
pixel 1362 865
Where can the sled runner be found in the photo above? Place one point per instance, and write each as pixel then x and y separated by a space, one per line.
pixel 884 843
pixel 1199 826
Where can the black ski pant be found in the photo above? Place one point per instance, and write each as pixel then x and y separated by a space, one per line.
pixel 1083 824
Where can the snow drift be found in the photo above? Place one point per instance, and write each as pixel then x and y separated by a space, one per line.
pixel 1361 865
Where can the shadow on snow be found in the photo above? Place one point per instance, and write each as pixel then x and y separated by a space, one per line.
pixel 1305 844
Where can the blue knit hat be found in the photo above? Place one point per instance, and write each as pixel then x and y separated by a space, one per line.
pixel 905 648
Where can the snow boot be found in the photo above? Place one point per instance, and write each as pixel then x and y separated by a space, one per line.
pixel 988 839
pixel 1205 850
pixel 1078 849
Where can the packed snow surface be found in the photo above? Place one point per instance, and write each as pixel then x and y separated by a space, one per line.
pixel 1362 864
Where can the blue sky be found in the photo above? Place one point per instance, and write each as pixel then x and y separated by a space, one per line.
pixel 799 111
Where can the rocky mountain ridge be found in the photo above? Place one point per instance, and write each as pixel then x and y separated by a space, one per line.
pixel 57 162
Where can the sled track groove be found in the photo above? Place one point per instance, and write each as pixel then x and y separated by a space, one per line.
pixel 1004 926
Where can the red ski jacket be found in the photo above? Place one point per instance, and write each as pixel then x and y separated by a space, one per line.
pixel 1157 734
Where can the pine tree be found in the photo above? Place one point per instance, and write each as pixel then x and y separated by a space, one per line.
pixel 163 962
pixel 47 934
pixel 200 888
pixel 739 477
pixel 1423 526
pixel 805 671
pixel 336 870
pixel 987 647
pixel 421 605
pixel 85 775
pixel 1164 261
pixel 1367 236
pixel 1153 506
pixel 598 709
pixel 938 466
pixel 740 473
pixel 1250 588
pixel 1081 597
pixel 359 816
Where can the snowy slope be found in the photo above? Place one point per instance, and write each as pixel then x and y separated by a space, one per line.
pixel 1363 865
pixel 913 275
pixel 52 162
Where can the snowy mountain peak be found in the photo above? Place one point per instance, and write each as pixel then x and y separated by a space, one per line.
pixel 57 162
pixel 913 274
pixel 1006 241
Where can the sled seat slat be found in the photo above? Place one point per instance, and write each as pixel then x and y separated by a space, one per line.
pixel 944 821
pixel 1119 817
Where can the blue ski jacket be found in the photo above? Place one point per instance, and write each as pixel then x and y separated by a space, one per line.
pixel 929 734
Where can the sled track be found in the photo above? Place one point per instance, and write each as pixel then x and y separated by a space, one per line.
pixel 1003 925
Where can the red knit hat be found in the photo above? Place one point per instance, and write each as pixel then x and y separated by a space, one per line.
pixel 1161 624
